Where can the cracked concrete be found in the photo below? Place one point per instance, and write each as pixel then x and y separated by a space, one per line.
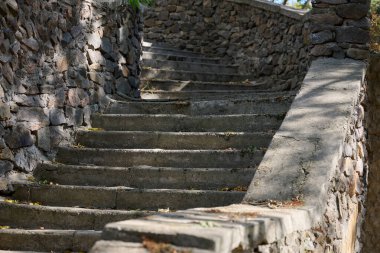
pixel 305 151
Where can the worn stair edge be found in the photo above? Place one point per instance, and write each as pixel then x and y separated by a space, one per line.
pixel 36 216
pixel 123 198
pixel 208 95
pixel 151 73
pixel 176 57
pixel 177 85
pixel 185 123
pixel 160 157
pixel 227 227
pixel 159 177
pixel 48 240
pixel 168 50
pixel 172 140
pixel 190 66
pixel 212 107
pixel 130 247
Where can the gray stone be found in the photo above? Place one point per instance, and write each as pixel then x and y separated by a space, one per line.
pixel 6 154
pixel 322 37
pixel 31 43
pixel 94 40
pixel 5 112
pixel 34 118
pixel 358 54
pixel 74 116
pixel 59 136
pixel 364 23
pixel 95 56
pixel 327 18
pixel 27 159
pixel 75 31
pixel 66 39
pixel 43 138
pixel 324 49
pixel 5 167
pixel 106 46
pixel 352 11
pixel 57 117
pixel 5 58
pixel 352 34
pixel 12 4
pixel 19 137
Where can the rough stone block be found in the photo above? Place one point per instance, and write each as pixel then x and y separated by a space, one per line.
pixel 19 137
pixel 352 34
pixel 322 37
pixel 27 159
pixel 5 112
pixel 5 167
pixel 34 118
pixel 352 10
pixel 358 54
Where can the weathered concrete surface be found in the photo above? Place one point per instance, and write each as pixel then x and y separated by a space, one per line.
pixel 220 229
pixel 48 240
pixel 305 151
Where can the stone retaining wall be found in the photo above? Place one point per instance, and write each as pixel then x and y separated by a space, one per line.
pixel 263 38
pixel 340 28
pixel 58 62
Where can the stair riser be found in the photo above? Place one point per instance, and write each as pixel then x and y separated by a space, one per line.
pixel 48 242
pixel 126 199
pixel 217 107
pixel 193 86
pixel 169 51
pixel 126 158
pixel 159 178
pixel 176 57
pixel 162 140
pixel 50 218
pixel 194 76
pixel 200 96
pixel 246 123
pixel 189 66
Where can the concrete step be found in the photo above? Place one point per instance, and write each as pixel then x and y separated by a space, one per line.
pixel 123 198
pixel 160 157
pixel 178 57
pixel 145 177
pixel 17 251
pixel 28 216
pixel 215 236
pixel 151 73
pixel 185 123
pixel 176 85
pixel 171 51
pixel 131 247
pixel 205 107
pixel 203 95
pixel 48 240
pixel 172 140
pixel 191 66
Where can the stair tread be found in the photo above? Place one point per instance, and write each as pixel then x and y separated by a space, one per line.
pixel 135 176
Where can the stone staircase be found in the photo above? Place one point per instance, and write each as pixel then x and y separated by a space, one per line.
pixel 193 141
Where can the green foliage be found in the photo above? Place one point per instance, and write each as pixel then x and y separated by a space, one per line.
pixel 375 25
pixel 136 3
